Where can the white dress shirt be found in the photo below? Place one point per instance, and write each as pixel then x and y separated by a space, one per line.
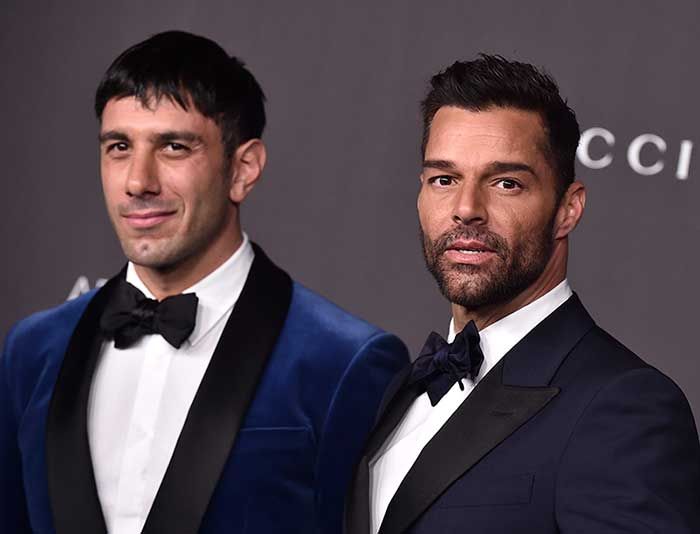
pixel 140 397
pixel 422 421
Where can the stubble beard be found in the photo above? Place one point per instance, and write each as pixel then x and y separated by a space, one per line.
pixel 477 286
pixel 168 252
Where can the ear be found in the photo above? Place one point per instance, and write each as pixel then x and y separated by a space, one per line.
pixel 570 210
pixel 248 162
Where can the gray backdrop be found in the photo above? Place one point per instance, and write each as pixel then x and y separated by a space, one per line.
pixel 337 205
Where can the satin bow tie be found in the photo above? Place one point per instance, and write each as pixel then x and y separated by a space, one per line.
pixel 131 315
pixel 441 364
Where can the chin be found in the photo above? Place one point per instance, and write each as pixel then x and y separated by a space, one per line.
pixel 146 255
pixel 470 287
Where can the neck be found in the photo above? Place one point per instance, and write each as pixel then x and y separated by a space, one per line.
pixel 483 316
pixel 173 281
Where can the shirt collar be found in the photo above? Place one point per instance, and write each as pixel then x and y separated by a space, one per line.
pixel 217 292
pixel 498 338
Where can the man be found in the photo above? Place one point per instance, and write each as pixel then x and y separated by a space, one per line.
pixel 532 419
pixel 200 390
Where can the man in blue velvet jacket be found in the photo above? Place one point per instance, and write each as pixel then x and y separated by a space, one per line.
pixel 531 419
pixel 201 389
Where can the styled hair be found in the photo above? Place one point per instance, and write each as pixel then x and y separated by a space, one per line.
pixel 493 81
pixel 189 70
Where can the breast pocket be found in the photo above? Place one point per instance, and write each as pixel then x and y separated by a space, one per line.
pixel 515 489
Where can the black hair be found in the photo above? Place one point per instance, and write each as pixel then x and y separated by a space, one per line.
pixel 187 68
pixel 493 81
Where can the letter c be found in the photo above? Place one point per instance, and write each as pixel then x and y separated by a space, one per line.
pixel 636 147
pixel 583 154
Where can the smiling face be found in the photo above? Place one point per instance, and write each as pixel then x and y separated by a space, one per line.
pixel 493 231
pixel 167 186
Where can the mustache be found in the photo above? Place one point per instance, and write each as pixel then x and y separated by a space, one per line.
pixel 137 205
pixel 491 239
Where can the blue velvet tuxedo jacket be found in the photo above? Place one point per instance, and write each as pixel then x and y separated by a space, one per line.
pixel 269 442
pixel 569 433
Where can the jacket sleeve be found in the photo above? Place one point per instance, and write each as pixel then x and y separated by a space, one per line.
pixel 13 507
pixel 350 418
pixel 632 463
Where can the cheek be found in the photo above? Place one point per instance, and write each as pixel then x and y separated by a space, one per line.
pixel 109 192
pixel 201 204
pixel 180 182
pixel 431 215
pixel 515 220
pixel 426 223
pixel 112 182
pixel 525 232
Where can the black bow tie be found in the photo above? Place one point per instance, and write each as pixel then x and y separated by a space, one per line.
pixel 131 315
pixel 441 364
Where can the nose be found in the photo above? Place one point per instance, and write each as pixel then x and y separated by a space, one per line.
pixel 142 178
pixel 470 205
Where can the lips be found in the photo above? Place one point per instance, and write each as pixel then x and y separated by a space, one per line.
pixel 470 252
pixel 471 245
pixel 147 219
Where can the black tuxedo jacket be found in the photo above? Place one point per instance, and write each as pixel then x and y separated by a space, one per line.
pixel 570 432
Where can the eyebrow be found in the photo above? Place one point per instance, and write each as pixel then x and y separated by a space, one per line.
pixel 440 164
pixel 156 138
pixel 499 167
pixel 175 135
pixel 495 167
pixel 112 135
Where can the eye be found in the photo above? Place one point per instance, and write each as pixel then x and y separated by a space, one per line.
pixel 508 183
pixel 117 147
pixel 176 147
pixel 442 180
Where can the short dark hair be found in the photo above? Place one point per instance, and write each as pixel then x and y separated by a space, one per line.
pixel 493 81
pixel 188 68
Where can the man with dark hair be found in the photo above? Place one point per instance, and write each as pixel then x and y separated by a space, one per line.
pixel 201 389
pixel 530 418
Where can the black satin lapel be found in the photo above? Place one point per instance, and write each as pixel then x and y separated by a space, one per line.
pixel 490 414
pixel 222 400
pixel 73 494
pixel 394 405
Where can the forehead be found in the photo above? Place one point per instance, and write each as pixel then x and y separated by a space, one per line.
pixel 128 114
pixel 495 134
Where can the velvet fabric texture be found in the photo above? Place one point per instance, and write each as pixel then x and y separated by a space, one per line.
pixel 290 465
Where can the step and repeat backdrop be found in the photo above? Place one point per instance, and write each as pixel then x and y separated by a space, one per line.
pixel 336 207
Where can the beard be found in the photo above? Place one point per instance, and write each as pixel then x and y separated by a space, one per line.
pixel 513 270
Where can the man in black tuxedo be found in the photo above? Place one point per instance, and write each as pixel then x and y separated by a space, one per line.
pixel 531 418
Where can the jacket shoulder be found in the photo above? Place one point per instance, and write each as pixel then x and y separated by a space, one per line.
pixel 335 345
pixel 600 366
pixel 320 317
pixel 47 322
pixel 600 358
pixel 601 371
pixel 609 362
pixel 42 335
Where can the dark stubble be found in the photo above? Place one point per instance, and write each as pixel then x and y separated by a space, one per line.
pixel 476 286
